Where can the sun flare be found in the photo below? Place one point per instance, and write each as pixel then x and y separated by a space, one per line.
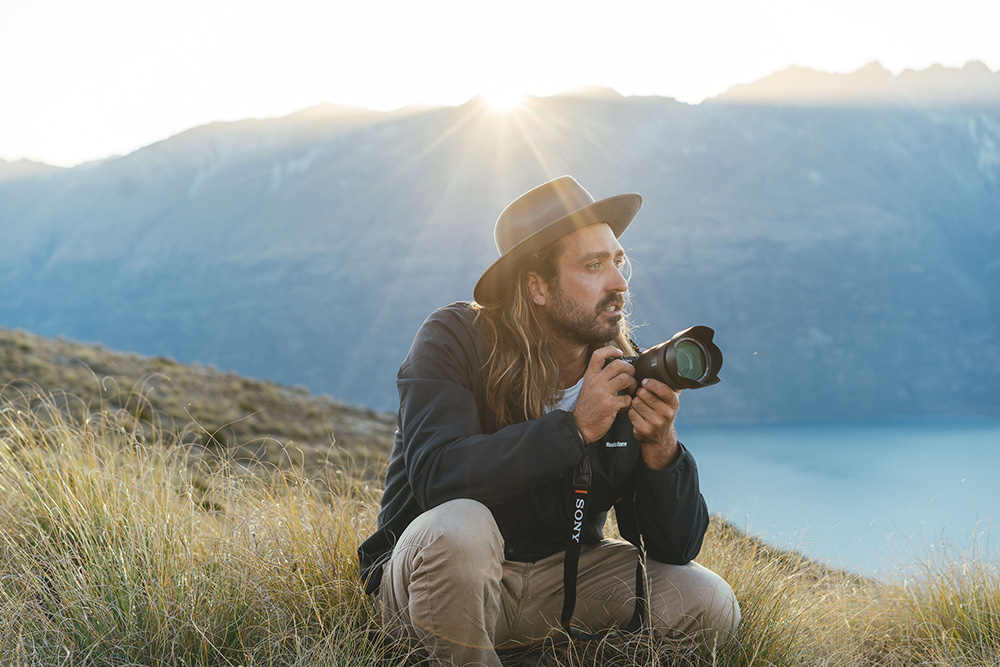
pixel 501 99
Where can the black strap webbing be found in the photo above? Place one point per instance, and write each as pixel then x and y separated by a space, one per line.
pixel 578 510
pixel 582 477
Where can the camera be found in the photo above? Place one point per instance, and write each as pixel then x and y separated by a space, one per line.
pixel 689 360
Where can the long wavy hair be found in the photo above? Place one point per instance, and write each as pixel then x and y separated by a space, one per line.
pixel 523 379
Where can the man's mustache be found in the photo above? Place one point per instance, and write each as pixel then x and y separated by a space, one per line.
pixel 617 301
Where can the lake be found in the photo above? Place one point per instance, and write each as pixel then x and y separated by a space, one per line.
pixel 873 498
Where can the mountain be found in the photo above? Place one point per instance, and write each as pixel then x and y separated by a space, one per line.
pixel 19 168
pixel 972 86
pixel 848 255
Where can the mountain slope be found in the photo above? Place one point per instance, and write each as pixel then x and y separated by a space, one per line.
pixel 848 256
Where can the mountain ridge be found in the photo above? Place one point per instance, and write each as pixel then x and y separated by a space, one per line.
pixel 19 168
pixel 978 85
pixel 973 85
pixel 830 248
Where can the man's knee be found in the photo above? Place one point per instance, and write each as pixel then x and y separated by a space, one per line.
pixel 441 584
pixel 460 536
pixel 692 601
pixel 722 615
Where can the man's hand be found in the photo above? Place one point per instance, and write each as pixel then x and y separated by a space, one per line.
pixel 652 413
pixel 600 400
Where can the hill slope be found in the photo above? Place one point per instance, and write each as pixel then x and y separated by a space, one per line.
pixel 256 421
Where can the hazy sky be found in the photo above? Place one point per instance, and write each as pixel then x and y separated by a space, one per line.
pixel 84 79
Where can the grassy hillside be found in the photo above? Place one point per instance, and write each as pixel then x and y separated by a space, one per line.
pixel 121 543
pixel 257 422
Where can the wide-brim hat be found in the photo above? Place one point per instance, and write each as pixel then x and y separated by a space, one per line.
pixel 539 217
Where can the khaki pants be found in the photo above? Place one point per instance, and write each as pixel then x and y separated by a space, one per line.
pixel 447 585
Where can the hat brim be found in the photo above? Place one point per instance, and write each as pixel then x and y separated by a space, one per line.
pixel 618 212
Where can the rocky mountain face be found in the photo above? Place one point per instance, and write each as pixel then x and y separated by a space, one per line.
pixel 847 255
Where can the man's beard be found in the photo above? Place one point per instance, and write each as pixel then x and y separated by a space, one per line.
pixel 573 322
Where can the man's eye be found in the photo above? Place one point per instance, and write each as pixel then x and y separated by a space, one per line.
pixel 595 266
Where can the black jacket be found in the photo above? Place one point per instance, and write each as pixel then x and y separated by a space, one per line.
pixel 447 446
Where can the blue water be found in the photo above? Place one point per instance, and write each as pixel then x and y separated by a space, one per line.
pixel 877 499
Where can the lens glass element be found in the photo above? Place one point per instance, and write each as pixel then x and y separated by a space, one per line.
pixel 690 357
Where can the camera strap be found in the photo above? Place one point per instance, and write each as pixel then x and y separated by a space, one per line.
pixel 582 477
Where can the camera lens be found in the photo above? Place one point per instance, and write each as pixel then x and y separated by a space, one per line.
pixel 690 356
pixel 687 361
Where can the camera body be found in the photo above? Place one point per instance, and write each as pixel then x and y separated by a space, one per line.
pixel 689 360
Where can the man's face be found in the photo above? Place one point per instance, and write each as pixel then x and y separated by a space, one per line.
pixel 583 304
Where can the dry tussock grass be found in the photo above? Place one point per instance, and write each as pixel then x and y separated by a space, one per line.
pixel 120 544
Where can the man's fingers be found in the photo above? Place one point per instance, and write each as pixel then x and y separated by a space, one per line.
pixel 650 413
pixel 601 356
pixel 623 382
pixel 661 391
pixel 655 403
pixel 639 424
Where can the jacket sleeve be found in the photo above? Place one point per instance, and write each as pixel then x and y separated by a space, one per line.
pixel 446 452
pixel 666 510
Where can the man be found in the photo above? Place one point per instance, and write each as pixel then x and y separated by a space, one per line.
pixel 519 428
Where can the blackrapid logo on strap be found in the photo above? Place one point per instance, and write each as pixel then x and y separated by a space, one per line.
pixel 612 445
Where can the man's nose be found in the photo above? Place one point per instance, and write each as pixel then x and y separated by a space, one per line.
pixel 618 281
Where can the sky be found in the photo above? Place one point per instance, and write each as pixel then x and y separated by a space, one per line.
pixel 83 80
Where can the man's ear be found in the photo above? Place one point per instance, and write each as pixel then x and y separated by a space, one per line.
pixel 538 289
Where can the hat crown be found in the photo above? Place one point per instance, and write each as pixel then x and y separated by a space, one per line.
pixel 541 216
pixel 537 209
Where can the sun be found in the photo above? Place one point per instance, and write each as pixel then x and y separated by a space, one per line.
pixel 504 99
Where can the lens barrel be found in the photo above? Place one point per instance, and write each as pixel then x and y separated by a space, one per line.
pixel 689 360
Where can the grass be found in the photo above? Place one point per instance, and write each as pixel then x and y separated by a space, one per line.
pixel 256 422
pixel 121 547
pixel 122 544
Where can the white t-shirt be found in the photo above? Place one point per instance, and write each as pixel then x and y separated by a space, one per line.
pixel 568 399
